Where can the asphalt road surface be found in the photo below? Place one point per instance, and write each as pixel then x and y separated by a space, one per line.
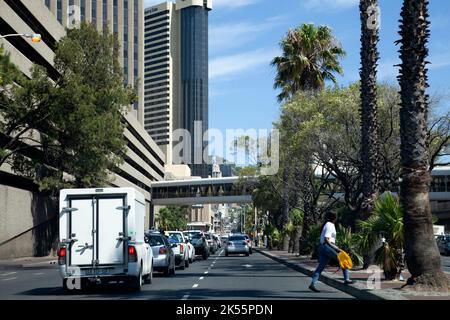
pixel 218 277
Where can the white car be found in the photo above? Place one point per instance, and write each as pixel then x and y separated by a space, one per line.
pixel 181 250
pixel 191 247
pixel 101 234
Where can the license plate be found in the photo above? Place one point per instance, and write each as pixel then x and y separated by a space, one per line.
pixel 97 272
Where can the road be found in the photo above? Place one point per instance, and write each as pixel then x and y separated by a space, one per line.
pixel 219 277
pixel 446 263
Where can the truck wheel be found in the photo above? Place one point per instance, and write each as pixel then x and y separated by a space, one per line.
pixel 182 266
pixel 173 270
pixel 64 285
pixel 186 263
pixel 191 260
pixel 149 278
pixel 167 271
pixel 247 254
pixel 205 256
pixel 136 282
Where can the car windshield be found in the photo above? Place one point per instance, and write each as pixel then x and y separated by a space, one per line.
pixel 236 238
pixel 197 238
pixel 176 237
pixel 155 241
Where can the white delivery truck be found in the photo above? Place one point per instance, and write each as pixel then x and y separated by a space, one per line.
pixel 101 234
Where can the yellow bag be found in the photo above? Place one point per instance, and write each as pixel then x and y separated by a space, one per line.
pixel 344 260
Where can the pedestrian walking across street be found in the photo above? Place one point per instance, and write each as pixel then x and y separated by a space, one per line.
pixel 328 250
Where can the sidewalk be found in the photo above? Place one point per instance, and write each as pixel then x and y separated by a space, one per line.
pixel 388 290
pixel 29 263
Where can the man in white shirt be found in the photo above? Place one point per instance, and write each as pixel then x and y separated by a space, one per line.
pixel 328 250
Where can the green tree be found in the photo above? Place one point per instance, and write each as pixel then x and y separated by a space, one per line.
pixel 421 252
pixel 310 57
pixel 369 108
pixel 78 117
pixel 173 217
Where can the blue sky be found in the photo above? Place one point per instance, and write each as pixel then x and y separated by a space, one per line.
pixel 244 37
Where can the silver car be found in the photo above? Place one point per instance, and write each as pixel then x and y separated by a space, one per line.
pixel 163 255
pixel 237 244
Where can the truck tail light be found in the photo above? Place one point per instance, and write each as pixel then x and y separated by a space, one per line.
pixel 181 248
pixel 62 253
pixel 162 250
pixel 132 254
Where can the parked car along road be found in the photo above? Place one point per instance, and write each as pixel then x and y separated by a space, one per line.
pixel 443 243
pixel 237 244
pixel 182 249
pixel 163 255
pixel 201 245
pixel 211 242
pixel 191 253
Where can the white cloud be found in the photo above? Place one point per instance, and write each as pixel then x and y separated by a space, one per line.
pixel 232 3
pixel 329 4
pixel 238 63
pixel 232 35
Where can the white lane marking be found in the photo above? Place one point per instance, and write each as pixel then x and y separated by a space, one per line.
pixel 38 273
pixel 195 285
pixel 206 272
pixel 9 279
pixel 201 278
pixel 185 297
pixel 8 274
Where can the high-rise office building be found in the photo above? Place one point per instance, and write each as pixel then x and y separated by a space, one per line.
pixel 176 76
pixel 125 18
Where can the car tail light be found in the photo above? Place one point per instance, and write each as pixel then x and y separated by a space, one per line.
pixel 62 253
pixel 181 248
pixel 132 254
pixel 162 250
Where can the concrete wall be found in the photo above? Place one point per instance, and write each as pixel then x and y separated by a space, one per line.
pixel 32 217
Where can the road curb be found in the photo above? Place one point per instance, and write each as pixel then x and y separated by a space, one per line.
pixel 31 266
pixel 354 290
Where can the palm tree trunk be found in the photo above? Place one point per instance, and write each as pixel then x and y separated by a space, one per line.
pixel 421 252
pixel 369 114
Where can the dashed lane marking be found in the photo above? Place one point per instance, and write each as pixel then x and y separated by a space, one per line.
pixel 7 274
pixel 195 285
pixel 201 278
pixel 9 279
pixel 185 297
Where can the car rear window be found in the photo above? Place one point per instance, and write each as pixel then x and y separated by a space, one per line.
pixel 156 241
pixel 176 237
pixel 236 238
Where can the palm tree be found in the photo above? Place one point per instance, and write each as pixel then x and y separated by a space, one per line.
pixel 369 117
pixel 421 252
pixel 310 57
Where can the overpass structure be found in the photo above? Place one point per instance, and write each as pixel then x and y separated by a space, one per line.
pixel 200 191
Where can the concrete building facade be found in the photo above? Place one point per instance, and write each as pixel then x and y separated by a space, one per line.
pixel 122 17
pixel 176 77
pixel 28 218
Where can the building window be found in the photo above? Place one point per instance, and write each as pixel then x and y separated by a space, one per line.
pixel 116 17
pixel 105 14
pixel 94 12
pixel 59 11
pixel 136 38
pixel 83 10
pixel 125 35
pixel 47 3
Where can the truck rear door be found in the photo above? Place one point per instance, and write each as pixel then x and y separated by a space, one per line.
pixel 97 228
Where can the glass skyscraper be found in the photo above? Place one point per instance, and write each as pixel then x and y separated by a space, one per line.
pixel 176 74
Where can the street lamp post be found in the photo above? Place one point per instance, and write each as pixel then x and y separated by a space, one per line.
pixel 35 37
